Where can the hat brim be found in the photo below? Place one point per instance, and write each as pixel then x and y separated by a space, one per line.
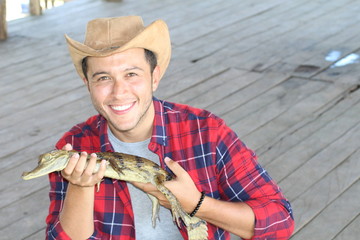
pixel 155 37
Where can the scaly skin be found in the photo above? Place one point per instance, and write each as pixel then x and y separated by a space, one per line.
pixel 128 168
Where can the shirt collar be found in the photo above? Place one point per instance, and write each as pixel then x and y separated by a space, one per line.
pixel 102 126
pixel 159 129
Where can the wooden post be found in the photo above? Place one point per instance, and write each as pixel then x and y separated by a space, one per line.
pixel 35 8
pixel 3 24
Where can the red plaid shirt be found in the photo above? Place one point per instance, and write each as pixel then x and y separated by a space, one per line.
pixel 218 162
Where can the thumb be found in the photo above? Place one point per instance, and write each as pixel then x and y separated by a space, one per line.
pixel 174 166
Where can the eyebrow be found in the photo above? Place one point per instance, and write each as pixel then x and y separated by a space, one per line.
pixel 99 73
pixel 125 70
pixel 133 68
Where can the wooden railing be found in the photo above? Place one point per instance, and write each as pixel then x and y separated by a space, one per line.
pixel 3 25
pixel 35 9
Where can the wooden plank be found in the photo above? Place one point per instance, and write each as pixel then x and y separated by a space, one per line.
pixel 52 74
pixel 263 82
pixel 3 23
pixel 301 144
pixel 38 130
pixel 190 95
pixel 342 180
pixel 296 133
pixel 313 60
pixel 27 214
pixel 43 92
pixel 245 30
pixel 324 133
pixel 340 213
pixel 288 36
pixel 313 38
pixel 37 70
pixel 33 110
pixel 193 76
pixel 271 131
pixel 346 74
pixel 228 16
pixel 39 234
pixel 351 230
pixel 225 36
pixel 24 53
pixel 23 188
pixel 315 168
pixel 271 104
pixel 226 85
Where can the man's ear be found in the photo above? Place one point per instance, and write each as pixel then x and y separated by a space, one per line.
pixel 156 78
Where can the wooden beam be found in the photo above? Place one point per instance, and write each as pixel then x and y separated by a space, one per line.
pixel 35 8
pixel 3 24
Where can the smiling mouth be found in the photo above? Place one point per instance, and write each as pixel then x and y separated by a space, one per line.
pixel 122 108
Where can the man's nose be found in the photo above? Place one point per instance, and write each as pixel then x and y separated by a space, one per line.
pixel 120 87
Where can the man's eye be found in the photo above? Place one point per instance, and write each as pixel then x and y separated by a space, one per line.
pixel 131 74
pixel 103 78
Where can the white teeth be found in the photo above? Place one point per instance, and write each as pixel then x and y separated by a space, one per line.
pixel 121 108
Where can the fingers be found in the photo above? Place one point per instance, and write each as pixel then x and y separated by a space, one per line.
pixel 80 165
pixel 80 171
pixel 67 147
pixel 182 186
pixel 91 165
pixel 68 170
pixel 102 169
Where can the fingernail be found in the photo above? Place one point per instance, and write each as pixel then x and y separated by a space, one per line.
pixel 104 162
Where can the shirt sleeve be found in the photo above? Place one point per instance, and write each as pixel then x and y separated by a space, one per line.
pixel 54 230
pixel 242 179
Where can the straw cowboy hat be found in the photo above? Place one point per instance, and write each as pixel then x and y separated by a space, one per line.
pixel 107 36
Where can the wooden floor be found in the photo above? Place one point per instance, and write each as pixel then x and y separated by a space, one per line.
pixel 283 74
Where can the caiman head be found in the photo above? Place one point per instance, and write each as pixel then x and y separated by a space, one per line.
pixel 49 162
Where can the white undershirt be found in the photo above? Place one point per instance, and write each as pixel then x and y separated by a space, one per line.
pixel 142 206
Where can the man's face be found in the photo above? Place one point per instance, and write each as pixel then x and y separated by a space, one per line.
pixel 121 88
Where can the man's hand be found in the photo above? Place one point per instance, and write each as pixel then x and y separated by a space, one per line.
pixel 182 186
pixel 79 172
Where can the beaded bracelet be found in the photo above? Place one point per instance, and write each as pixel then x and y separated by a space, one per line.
pixel 198 205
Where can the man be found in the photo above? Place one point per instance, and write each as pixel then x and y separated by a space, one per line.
pixel 122 62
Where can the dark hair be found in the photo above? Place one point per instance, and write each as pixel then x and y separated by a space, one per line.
pixel 84 67
pixel 151 59
pixel 149 56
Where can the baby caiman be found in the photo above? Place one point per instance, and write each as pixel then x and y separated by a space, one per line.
pixel 128 168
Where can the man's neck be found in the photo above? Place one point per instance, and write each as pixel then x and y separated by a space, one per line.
pixel 140 133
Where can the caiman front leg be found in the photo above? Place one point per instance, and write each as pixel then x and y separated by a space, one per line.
pixel 196 227
pixel 155 209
